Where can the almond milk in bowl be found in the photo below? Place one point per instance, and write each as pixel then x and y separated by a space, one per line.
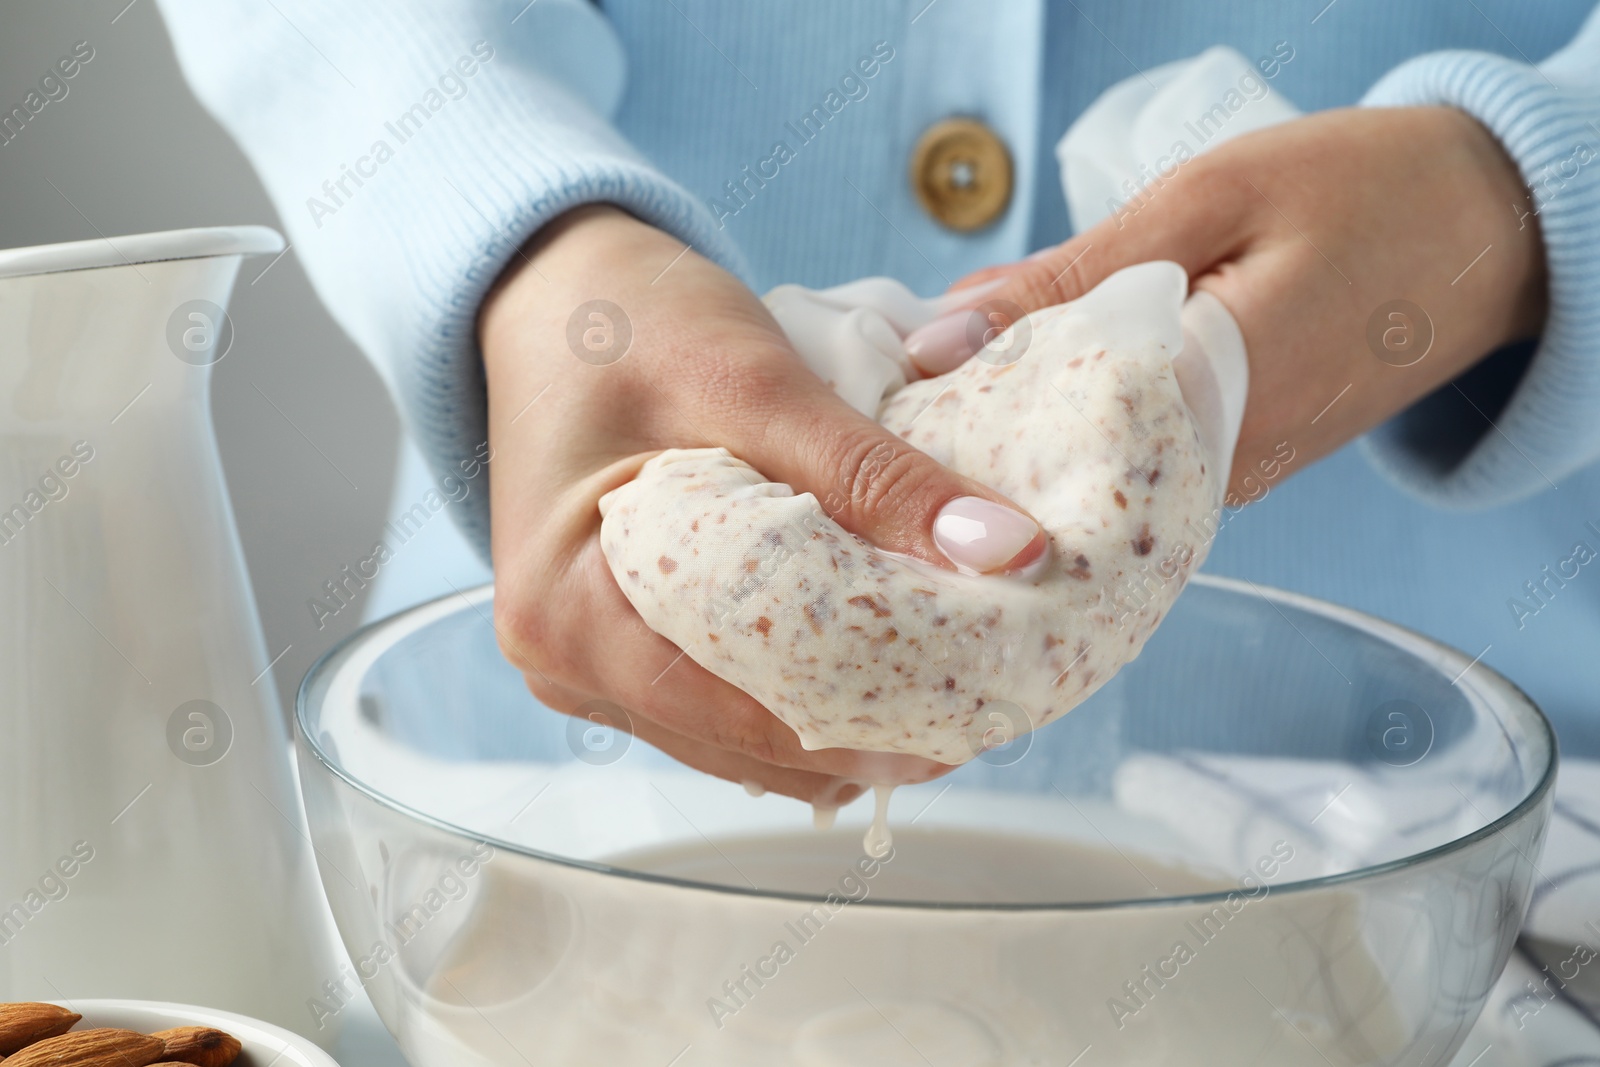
pixel 1288 833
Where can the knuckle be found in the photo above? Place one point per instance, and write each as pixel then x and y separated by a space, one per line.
pixel 516 630
pixel 1066 281
pixel 1051 280
pixel 878 476
pixel 1034 285
pixel 550 695
pixel 734 732
pixel 530 642
pixel 758 746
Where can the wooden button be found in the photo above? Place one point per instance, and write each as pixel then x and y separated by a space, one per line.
pixel 961 173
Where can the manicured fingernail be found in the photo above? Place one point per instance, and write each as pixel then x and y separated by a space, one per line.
pixel 980 536
pixel 967 295
pixel 942 345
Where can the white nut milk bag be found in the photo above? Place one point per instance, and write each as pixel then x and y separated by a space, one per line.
pixel 1111 420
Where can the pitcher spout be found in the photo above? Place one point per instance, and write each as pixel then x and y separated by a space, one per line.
pixel 87 326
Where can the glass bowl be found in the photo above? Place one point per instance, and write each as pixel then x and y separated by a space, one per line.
pixel 1288 833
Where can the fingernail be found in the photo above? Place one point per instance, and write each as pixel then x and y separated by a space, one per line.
pixel 980 536
pixel 967 295
pixel 1041 253
pixel 943 344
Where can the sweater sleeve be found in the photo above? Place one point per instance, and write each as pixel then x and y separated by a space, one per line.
pixel 1546 420
pixel 410 148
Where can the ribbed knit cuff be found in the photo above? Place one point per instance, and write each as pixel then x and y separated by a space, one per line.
pixel 439 374
pixel 1550 425
pixel 460 227
pixel 411 148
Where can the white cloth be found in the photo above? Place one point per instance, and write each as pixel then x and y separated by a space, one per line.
pixel 1231 808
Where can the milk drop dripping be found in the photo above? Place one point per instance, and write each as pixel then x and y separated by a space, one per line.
pixel 878 841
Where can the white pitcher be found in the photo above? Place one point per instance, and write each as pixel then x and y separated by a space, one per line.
pixel 151 840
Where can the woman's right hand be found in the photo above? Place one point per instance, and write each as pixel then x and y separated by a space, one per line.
pixel 682 356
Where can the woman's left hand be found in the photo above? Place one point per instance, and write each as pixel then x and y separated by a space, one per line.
pixel 1312 233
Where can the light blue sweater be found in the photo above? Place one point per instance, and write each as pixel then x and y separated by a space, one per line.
pixel 412 145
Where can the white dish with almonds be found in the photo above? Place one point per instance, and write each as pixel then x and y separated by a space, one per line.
pixel 263 1044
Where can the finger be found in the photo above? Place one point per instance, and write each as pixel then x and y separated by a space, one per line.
pixel 1192 219
pixel 695 704
pixel 665 685
pixel 824 790
pixel 645 673
pixel 793 429
pixel 729 378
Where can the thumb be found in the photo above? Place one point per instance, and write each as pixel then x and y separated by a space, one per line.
pixel 1181 221
pixel 879 487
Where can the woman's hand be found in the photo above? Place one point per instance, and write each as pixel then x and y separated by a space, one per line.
pixel 684 356
pixel 1309 233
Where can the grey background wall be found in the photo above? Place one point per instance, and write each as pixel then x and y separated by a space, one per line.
pixel 306 430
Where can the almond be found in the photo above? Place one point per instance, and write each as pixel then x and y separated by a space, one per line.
pixel 199 1045
pixel 91 1048
pixel 23 1024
